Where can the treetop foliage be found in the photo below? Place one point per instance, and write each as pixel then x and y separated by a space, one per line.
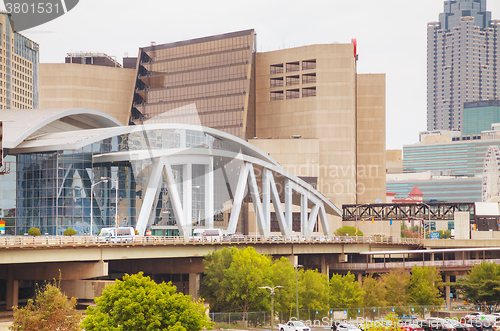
pixel 481 286
pixel 138 303
pixel 51 311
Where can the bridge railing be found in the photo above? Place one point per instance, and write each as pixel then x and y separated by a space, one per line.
pixel 410 264
pixel 172 240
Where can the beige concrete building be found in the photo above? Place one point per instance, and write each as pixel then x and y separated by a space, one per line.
pixel 321 120
pixel 73 85
pixel 394 161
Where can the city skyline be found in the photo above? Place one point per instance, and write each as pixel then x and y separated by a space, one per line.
pixel 389 42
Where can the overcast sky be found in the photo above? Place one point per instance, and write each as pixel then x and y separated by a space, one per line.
pixel 391 37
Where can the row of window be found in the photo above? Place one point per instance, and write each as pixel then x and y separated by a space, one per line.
pixel 292 66
pixel 293 80
pixel 293 94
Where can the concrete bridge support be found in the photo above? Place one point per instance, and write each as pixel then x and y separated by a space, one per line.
pixel 12 293
pixel 447 289
pixel 194 286
pixel 325 266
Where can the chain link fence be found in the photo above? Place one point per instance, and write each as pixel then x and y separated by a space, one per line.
pixel 325 317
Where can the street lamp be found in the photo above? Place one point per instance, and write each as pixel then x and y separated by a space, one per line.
pixel 429 219
pixel 103 180
pixel 297 289
pixel 272 303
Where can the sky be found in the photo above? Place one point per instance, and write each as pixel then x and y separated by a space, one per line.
pixel 391 37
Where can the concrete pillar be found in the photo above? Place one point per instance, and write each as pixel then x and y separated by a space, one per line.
pixel 325 267
pixel 447 290
pixel 12 293
pixel 359 278
pixel 194 286
pixel 432 256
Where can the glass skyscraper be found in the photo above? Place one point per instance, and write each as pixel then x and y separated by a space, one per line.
pixel 462 62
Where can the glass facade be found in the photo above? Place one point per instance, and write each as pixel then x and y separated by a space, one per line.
pixel 213 73
pixel 478 116
pixel 441 190
pixel 54 188
pixel 454 158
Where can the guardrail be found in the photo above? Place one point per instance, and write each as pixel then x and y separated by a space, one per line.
pixel 61 241
pixel 410 264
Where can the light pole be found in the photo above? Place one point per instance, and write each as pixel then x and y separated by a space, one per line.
pixel 297 289
pixel 103 180
pixel 272 303
pixel 92 203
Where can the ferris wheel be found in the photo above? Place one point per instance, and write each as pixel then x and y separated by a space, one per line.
pixel 491 173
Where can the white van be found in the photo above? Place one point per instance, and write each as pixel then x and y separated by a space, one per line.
pixel 117 235
pixel 207 235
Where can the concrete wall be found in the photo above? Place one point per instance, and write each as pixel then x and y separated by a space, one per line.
pixel 462 225
pixel 369 229
pixel 329 116
pixel 347 117
pixel 371 153
pixel 485 234
pixel 71 85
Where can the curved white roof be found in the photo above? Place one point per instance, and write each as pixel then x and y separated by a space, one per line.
pixel 20 124
pixel 77 139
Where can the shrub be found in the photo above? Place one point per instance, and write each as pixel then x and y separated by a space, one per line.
pixel 70 232
pixel 35 232
pixel 136 232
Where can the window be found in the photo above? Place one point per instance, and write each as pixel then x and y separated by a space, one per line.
pixel 292 94
pixel 276 95
pixel 292 80
pixel 309 64
pixel 276 81
pixel 276 69
pixel 309 78
pixel 309 92
pixel 292 66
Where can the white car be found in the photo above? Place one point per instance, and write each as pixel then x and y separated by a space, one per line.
pixel 343 326
pixel 294 326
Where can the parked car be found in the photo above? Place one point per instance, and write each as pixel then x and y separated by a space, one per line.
pixel 437 324
pixel 462 326
pixel 293 326
pixel 344 326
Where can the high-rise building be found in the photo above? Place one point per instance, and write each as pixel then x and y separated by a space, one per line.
pixel 18 68
pixel 462 62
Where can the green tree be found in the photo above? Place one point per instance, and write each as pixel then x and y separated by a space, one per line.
pixel 51 311
pixel 69 232
pixel 35 232
pixel 283 274
pixel 396 283
pixel 375 292
pixel 424 286
pixel 248 271
pixel 345 291
pixel 481 285
pixel 348 230
pixel 313 290
pixel 138 303
pixel 211 286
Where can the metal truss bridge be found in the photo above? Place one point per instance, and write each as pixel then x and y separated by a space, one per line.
pixel 405 211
